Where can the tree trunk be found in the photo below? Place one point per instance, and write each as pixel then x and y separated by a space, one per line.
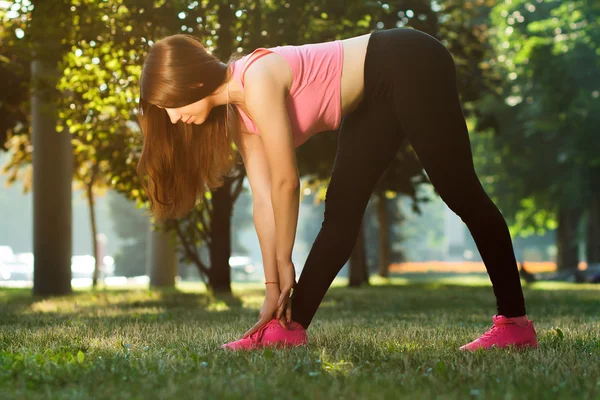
pixel 566 238
pixel 90 198
pixel 593 232
pixel 220 250
pixel 52 158
pixel 162 258
pixel 359 273
pixel 219 279
pixel 384 241
pixel 101 242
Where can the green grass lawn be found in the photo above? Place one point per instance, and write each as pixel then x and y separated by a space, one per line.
pixel 386 341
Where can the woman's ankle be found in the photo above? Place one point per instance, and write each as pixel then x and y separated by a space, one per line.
pixel 521 321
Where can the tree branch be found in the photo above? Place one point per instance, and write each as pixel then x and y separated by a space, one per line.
pixel 204 232
pixel 192 255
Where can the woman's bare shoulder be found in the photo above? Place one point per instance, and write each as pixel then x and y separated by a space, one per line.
pixel 275 66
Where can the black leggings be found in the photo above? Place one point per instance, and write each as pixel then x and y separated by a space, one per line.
pixel 410 92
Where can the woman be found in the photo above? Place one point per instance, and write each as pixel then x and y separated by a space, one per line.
pixel 378 89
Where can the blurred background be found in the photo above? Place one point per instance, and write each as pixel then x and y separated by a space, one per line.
pixel 71 206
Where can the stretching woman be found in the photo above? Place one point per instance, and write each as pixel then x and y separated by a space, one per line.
pixel 378 89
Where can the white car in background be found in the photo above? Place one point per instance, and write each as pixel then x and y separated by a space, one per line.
pixel 15 267
pixel 242 268
pixel 19 266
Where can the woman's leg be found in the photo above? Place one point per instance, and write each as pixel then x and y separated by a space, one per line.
pixel 368 141
pixel 427 105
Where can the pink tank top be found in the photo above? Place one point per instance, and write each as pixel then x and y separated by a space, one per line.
pixel 314 101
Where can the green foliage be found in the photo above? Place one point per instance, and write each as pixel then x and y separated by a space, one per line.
pixel 546 110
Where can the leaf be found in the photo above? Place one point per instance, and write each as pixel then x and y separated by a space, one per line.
pixel 327 365
pixel 559 334
pixel 80 356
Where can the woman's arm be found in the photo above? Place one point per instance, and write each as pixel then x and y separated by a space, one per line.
pixel 257 169
pixel 265 98
pixel 252 151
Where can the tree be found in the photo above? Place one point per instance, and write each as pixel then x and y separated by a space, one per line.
pixel 162 256
pixel 358 261
pixel 210 225
pixel 544 118
pixel 99 84
pixel 386 216
pixel 66 103
pixel 52 162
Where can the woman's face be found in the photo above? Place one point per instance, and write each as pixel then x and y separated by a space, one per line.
pixel 195 113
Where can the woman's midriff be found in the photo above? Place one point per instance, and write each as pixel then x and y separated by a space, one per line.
pixel 353 80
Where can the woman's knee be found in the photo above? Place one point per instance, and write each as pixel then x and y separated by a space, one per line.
pixel 346 214
pixel 469 202
pixel 344 207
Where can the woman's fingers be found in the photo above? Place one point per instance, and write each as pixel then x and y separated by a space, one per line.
pixel 282 297
pixel 285 294
pixel 256 327
pixel 285 310
pixel 281 309
pixel 282 322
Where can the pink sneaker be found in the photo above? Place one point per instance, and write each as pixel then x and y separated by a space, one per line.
pixel 271 334
pixel 505 332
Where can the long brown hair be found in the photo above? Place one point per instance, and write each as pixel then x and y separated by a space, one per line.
pixel 180 161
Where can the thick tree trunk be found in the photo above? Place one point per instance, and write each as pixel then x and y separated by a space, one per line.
pixel 384 241
pixel 359 273
pixel 52 159
pixel 566 239
pixel 219 279
pixel 220 251
pixel 593 232
pixel 162 258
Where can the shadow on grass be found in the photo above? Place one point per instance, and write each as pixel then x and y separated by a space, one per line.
pixel 413 301
pixel 21 307
pixel 419 300
pixel 175 299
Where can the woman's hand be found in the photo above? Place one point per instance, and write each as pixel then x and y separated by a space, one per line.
pixel 268 310
pixel 287 281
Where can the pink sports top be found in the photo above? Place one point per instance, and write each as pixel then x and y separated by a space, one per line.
pixel 314 101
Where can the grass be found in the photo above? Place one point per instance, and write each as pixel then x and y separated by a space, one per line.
pixel 382 342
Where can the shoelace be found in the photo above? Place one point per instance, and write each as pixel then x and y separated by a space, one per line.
pixel 493 332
